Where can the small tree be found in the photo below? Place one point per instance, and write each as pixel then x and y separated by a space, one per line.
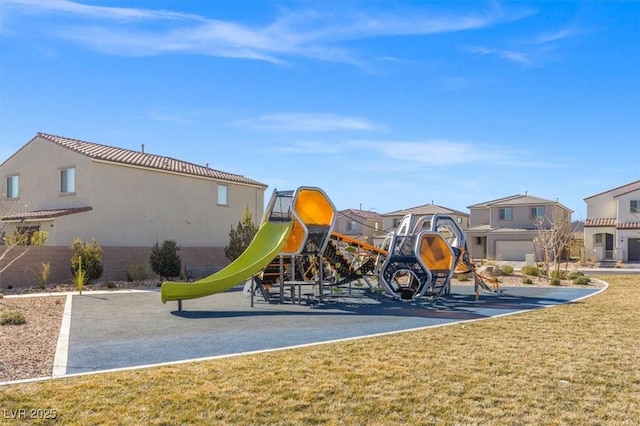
pixel 553 239
pixel 91 254
pixel 241 237
pixel 27 238
pixel 165 260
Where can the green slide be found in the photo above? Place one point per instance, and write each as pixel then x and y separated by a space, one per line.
pixel 265 246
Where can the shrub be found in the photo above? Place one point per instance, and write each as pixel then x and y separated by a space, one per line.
pixel 575 274
pixel 110 284
pixel 555 281
pixel 463 278
pixel 165 260
pixel 530 270
pixel 138 272
pixel 526 280
pixel 506 270
pixel 582 280
pixel 561 275
pixel 80 276
pixel 12 317
pixel 45 269
pixel 91 254
pixel 241 237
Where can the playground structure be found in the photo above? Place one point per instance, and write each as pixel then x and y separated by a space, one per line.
pixel 295 248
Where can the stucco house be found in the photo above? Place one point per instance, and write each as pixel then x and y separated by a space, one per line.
pixel 612 227
pixel 127 200
pixel 360 224
pixel 391 220
pixel 505 228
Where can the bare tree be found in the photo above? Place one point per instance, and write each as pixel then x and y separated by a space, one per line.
pixel 553 237
pixel 16 238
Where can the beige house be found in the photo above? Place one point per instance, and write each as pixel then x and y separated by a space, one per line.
pixel 504 229
pixel 72 188
pixel 360 224
pixel 612 227
pixel 391 220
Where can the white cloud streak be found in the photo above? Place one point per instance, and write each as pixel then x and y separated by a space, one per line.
pixel 508 55
pixel 306 122
pixel 417 156
pixel 310 34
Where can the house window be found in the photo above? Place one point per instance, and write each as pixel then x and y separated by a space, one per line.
pixel 459 219
pixel 68 180
pixel 396 222
pixel 13 187
pixel 223 195
pixel 351 225
pixel 537 212
pixel 376 225
pixel 597 238
pixel 505 213
pixel 635 206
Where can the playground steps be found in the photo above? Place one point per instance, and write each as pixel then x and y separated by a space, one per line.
pixel 343 266
pixel 440 284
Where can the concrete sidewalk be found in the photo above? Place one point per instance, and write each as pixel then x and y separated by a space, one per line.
pixel 628 268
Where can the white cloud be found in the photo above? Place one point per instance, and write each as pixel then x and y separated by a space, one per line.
pixel 441 153
pixel 310 148
pixel 306 33
pixel 437 153
pixel 555 36
pixel 306 122
pixel 508 55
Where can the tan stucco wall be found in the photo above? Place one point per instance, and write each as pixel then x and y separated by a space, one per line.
pixel 479 217
pixel 624 207
pixel 25 271
pixel 137 207
pixel 39 164
pixel 606 206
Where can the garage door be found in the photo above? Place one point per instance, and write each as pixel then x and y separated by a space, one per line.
pixel 513 250
pixel 634 250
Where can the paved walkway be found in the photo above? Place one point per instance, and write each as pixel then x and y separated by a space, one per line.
pixel 127 330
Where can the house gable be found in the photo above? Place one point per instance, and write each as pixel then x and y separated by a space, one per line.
pixel 391 219
pixel 363 223
pixel 142 159
pixel 612 224
pixel 125 198
pixel 511 223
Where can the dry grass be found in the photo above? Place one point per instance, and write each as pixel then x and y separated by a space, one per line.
pixel 574 364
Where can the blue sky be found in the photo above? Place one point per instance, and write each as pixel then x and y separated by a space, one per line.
pixel 385 105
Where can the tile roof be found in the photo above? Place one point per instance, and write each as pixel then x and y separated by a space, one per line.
pixel 365 214
pixel 517 200
pixel 426 209
pixel 628 225
pixel 523 200
pixel 632 186
pixel 610 222
pixel 44 214
pixel 498 200
pixel 143 159
pixel 601 221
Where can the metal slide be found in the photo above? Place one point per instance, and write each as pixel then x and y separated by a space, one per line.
pixel 265 246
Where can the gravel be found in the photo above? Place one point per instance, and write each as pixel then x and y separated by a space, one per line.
pixel 28 350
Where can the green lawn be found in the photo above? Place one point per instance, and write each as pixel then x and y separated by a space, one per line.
pixel 575 364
